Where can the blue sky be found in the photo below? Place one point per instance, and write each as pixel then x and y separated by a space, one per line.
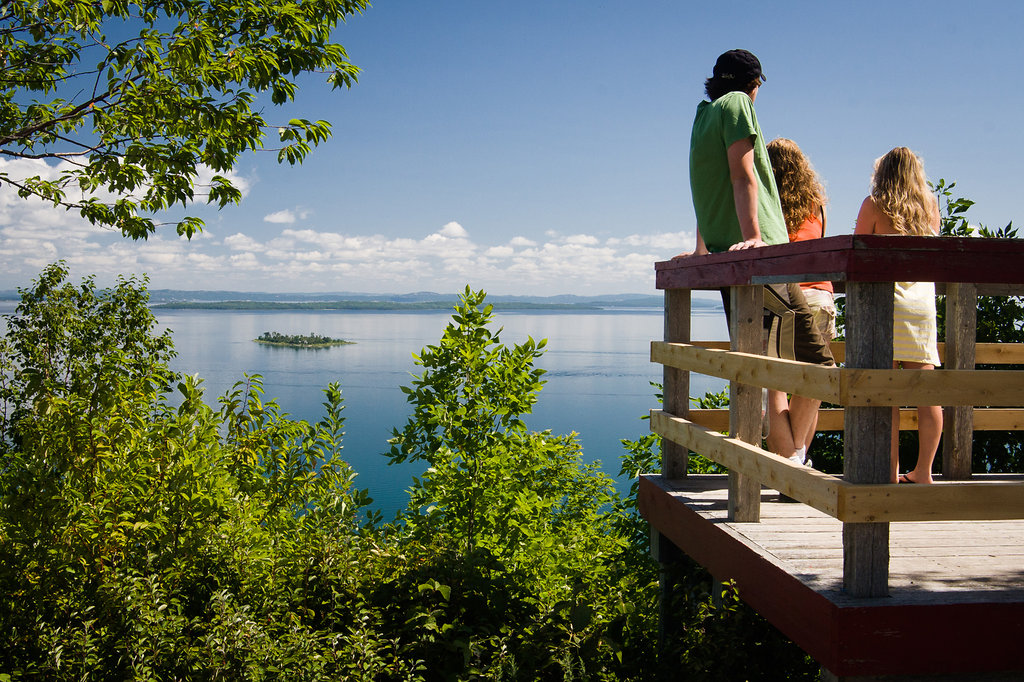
pixel 540 147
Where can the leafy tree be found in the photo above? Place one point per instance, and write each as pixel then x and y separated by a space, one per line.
pixel 512 520
pixel 133 101
pixel 517 561
pixel 1000 319
pixel 77 344
pixel 145 535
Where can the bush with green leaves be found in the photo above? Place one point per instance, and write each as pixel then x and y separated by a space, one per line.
pixel 512 522
pixel 146 535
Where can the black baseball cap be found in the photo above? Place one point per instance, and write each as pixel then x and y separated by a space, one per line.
pixel 739 66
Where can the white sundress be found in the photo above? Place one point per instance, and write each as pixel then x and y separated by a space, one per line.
pixel 913 329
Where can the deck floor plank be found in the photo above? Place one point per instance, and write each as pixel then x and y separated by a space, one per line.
pixel 930 561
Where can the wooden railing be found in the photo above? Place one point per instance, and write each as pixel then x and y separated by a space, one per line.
pixel 865 387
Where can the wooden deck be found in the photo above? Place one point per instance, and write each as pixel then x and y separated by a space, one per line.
pixel 869 578
pixel 955 587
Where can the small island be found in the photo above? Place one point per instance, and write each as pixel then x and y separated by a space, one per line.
pixel 299 341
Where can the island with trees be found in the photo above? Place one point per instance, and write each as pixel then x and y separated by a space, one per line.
pixel 300 340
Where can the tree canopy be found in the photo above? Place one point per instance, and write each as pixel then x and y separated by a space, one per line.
pixel 125 106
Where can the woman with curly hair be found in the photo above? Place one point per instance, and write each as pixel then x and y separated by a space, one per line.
pixel 901 203
pixel 803 207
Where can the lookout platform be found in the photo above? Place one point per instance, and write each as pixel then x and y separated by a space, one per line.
pixel 863 571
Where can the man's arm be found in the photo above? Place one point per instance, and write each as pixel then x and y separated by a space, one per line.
pixel 744 189
pixel 699 251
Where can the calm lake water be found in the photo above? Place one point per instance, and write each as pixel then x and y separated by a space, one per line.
pixel 598 373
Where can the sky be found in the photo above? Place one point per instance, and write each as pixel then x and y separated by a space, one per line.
pixel 540 146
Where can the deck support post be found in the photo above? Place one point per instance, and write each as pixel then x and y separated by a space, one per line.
pixel 668 556
pixel 745 334
pixel 867 437
pixel 958 421
pixel 676 382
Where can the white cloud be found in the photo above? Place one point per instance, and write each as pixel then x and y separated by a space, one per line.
pixel 658 241
pixel 581 239
pixel 242 242
pixel 245 261
pixel 280 217
pixel 287 258
pixel 453 230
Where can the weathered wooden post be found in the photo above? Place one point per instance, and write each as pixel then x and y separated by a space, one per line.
pixel 958 420
pixel 745 333
pixel 674 459
pixel 867 435
pixel 676 382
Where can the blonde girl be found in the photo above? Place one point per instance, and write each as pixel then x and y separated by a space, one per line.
pixel 901 203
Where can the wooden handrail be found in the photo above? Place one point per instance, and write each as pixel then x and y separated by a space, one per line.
pixel 985 353
pixel 848 502
pixel 849 387
pixel 831 419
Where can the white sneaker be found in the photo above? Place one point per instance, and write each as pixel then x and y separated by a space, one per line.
pixel 800 457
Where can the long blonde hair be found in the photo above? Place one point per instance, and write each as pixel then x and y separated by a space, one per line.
pixel 900 190
pixel 800 189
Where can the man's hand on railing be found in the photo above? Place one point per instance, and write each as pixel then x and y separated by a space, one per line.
pixel 700 250
pixel 747 244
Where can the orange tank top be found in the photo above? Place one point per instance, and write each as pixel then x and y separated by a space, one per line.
pixel 811 229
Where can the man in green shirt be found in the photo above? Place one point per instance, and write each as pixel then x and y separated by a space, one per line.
pixel 737 206
pixel 734 192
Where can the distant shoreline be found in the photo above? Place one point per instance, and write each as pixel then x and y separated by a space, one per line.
pixel 361 305
pixel 172 300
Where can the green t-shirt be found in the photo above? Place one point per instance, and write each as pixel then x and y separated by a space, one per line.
pixel 717 125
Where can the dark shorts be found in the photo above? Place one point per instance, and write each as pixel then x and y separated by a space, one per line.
pixel 790 330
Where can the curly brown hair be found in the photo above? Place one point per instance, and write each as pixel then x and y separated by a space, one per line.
pixel 901 192
pixel 800 189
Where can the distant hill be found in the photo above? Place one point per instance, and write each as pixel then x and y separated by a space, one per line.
pixel 174 295
pixel 420 300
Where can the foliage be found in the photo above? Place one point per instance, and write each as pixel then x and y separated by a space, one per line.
pixel 145 535
pixel 135 101
pixel 144 540
pixel 512 520
pixel 643 455
pixel 76 344
pixel 1000 319
pixel 299 340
